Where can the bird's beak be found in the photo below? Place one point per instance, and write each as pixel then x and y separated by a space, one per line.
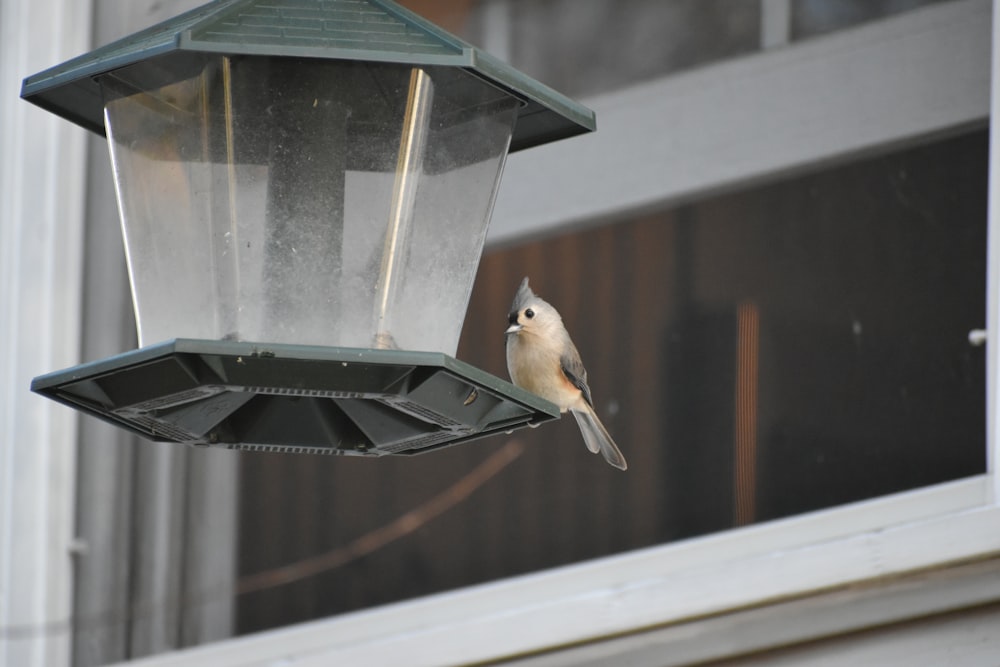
pixel 514 328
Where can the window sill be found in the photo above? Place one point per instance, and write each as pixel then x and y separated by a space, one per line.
pixel 637 591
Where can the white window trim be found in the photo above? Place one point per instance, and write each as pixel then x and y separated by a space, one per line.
pixel 755 118
pixel 993 282
pixel 939 64
pixel 42 186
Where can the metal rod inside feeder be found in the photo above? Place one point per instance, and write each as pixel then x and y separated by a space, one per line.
pixel 408 169
pixel 227 249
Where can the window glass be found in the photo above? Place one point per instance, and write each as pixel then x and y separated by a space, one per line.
pixel 815 17
pixel 758 354
pixel 582 48
pixel 586 47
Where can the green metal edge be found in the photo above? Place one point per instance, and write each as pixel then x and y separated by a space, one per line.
pixel 535 124
pixel 42 383
pixel 157 37
pixel 98 367
pixel 461 58
pixel 542 100
pixel 186 42
pixel 78 73
pixel 497 71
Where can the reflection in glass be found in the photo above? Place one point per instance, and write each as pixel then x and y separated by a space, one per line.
pixel 815 17
pixel 790 347
pixel 765 353
pixel 593 46
pixel 588 47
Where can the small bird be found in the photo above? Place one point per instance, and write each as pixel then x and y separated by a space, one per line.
pixel 542 359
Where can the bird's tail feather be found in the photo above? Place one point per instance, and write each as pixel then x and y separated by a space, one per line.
pixel 596 437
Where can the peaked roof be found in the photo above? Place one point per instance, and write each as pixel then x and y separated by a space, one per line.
pixel 372 30
pixel 361 28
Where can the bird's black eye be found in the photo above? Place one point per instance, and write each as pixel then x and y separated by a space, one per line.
pixel 529 313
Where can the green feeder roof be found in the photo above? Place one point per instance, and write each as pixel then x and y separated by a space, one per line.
pixel 365 30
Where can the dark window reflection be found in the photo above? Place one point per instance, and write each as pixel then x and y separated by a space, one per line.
pixel 816 348
pixel 756 355
pixel 760 354
pixel 815 17
pixel 587 47
pixel 583 47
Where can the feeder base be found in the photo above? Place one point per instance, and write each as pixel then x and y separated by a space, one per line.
pixel 295 398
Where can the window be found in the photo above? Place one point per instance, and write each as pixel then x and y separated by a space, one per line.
pixel 760 208
pixel 815 17
pixel 718 171
pixel 781 349
pixel 590 47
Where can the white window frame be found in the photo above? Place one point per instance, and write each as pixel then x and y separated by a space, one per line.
pixel 660 143
pixel 42 201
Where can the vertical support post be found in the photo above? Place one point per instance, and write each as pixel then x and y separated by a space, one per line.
pixel 131 599
pixel 226 246
pixel 101 594
pixel 409 166
pixel 745 417
pixel 993 272
pixel 775 23
pixel 42 187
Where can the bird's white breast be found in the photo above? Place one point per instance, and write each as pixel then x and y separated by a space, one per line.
pixel 537 367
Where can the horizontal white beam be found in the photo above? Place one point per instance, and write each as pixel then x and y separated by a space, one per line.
pixel 752 118
pixel 641 589
pixel 836 618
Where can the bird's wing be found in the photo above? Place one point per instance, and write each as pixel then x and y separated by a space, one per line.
pixel 574 371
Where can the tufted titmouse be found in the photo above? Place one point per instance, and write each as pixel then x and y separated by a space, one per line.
pixel 542 359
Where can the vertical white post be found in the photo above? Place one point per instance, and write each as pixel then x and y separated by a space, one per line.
pixel 409 167
pixel 42 179
pixel 496 23
pixel 775 23
pixel 993 269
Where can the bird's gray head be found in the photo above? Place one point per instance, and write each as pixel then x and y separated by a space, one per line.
pixel 529 311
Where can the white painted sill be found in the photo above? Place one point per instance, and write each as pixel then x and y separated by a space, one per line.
pixel 638 590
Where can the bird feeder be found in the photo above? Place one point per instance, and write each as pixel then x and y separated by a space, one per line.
pixel 305 188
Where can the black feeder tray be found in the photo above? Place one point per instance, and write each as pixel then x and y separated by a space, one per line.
pixel 295 398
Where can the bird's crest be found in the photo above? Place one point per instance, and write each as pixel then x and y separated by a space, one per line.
pixel 522 297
